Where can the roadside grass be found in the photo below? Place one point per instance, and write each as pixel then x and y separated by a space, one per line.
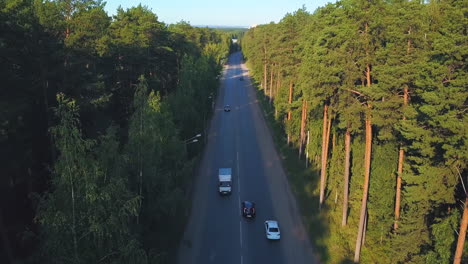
pixel 303 181
pixel 177 224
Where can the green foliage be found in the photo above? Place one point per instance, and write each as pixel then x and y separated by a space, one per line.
pixel 105 132
pixel 407 48
pixel 442 231
pixel 154 158
pixel 87 216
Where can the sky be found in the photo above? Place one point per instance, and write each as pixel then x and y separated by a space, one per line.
pixel 242 13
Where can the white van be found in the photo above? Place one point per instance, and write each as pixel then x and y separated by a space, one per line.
pixel 225 180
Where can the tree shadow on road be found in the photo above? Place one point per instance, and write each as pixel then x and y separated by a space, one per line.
pixel 303 181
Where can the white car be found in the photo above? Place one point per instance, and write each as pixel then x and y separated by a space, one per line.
pixel 272 230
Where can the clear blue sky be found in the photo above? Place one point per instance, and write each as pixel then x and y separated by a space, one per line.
pixel 218 12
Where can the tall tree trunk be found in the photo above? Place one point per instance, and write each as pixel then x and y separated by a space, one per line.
pixel 461 235
pixel 302 129
pixel 327 147
pixel 346 176
pixel 364 230
pixel 367 162
pixel 333 137
pixel 328 134
pixel 323 169
pixel 278 85
pixel 401 154
pixel 289 111
pixel 398 186
pixel 409 43
pixel 278 82
pixel 303 123
pixel 271 84
pixel 290 98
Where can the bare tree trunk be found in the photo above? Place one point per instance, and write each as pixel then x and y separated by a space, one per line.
pixel 364 230
pixel 461 235
pixel 409 44
pixel 271 84
pixel 278 85
pixel 367 162
pixel 323 169
pixel 346 177
pixel 278 82
pixel 302 129
pixel 290 101
pixel 303 123
pixel 398 187
pixel 333 137
pixel 368 75
pixel 290 98
pixel 328 138
pixel 328 134
pixel 401 158
pixel 401 155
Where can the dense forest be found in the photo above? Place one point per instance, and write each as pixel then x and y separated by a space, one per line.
pixel 374 95
pixel 236 33
pixel 100 129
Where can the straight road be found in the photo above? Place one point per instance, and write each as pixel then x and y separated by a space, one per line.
pixel 216 231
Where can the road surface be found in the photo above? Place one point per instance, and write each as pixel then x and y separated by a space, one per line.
pixel 239 139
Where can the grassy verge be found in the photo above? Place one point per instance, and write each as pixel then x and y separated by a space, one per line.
pixel 178 224
pixel 303 181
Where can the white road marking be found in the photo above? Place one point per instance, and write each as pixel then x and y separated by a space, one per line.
pixel 238 174
pixel 238 184
pixel 240 228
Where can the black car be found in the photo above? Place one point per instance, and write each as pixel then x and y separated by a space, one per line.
pixel 248 209
pixel 227 108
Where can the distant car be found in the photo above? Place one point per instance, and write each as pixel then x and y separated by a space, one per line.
pixel 272 230
pixel 241 78
pixel 227 108
pixel 248 209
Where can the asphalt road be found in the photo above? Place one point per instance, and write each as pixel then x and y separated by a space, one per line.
pixel 216 231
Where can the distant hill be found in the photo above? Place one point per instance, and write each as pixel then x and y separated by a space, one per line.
pixel 222 27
